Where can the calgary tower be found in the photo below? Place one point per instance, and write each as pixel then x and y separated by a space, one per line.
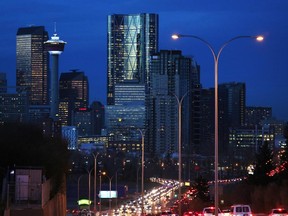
pixel 55 47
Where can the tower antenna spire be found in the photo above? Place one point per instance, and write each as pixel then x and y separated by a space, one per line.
pixel 55 26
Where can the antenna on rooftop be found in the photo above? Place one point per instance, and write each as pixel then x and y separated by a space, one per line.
pixel 55 27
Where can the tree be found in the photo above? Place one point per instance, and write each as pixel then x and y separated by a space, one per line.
pixel 202 189
pixel 26 145
pixel 264 164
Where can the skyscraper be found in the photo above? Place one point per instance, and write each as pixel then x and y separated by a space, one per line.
pixel 132 38
pixel 171 79
pixel 32 63
pixel 73 93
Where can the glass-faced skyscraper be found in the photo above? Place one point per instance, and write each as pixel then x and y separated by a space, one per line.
pixel 132 38
pixel 32 63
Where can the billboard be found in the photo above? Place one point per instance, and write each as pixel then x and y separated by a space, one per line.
pixel 107 194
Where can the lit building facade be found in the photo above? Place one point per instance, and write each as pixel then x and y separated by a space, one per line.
pixel 70 134
pixel 245 142
pixel 132 38
pixel 32 63
pixel 128 114
pixel 73 94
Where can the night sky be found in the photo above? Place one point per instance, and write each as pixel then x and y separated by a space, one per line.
pixel 83 25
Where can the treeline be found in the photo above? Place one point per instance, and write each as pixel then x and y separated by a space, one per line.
pixel 25 145
pixel 265 189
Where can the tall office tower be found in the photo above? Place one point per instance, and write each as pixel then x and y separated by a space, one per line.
pixel 3 83
pixel 132 38
pixel 73 93
pixel 55 47
pixel 171 81
pixel 32 63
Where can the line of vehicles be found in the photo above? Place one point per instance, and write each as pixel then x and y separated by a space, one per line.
pixel 235 210
pixel 158 199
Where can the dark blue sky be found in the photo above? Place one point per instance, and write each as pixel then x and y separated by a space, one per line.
pixel 83 25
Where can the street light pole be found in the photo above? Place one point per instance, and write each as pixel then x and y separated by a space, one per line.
pixel 179 101
pixel 216 61
pixel 142 166
pixel 95 175
pixel 79 188
pixel 89 185
pixel 100 188
pixel 137 179
pixel 110 188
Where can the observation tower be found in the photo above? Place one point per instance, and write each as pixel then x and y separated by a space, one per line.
pixel 55 47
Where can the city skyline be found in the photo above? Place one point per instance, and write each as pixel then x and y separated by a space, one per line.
pixel 83 25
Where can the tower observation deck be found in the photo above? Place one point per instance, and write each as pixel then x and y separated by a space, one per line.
pixel 55 47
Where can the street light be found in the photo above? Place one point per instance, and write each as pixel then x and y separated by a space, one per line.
pixel 79 188
pixel 100 188
pixel 110 188
pixel 95 172
pixel 89 184
pixel 179 101
pixel 216 61
pixel 137 181
pixel 142 132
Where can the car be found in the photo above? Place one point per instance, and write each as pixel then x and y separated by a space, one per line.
pixel 210 211
pixel 226 212
pixel 167 213
pixel 240 210
pixel 278 212
pixel 188 213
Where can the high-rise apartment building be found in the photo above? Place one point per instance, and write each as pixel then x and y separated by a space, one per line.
pixel 73 93
pixel 207 122
pixel 132 38
pixel 232 105
pixel 171 89
pixel 32 63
